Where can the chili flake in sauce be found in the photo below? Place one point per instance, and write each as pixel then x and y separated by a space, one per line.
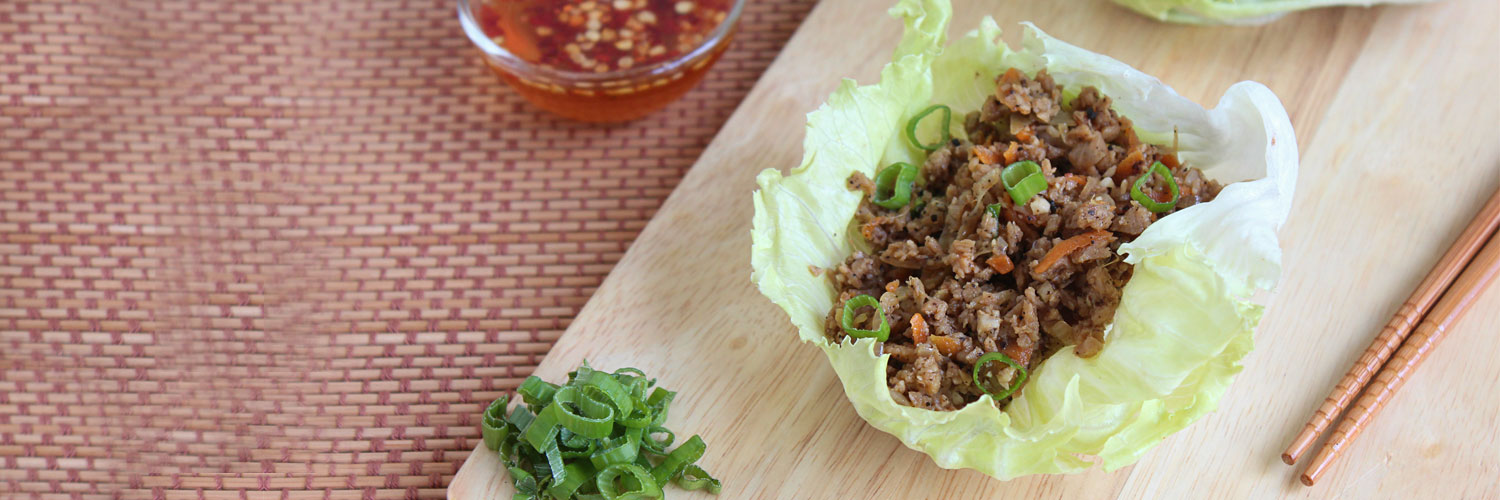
pixel 600 35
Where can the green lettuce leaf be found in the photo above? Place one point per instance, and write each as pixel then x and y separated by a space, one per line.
pixel 1186 317
pixel 1234 11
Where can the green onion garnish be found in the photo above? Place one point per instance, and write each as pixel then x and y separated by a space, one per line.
pixel 693 478
pixel 882 333
pixel 994 210
pixel 911 127
pixel 1023 179
pixel 1146 201
pixel 594 437
pixel 639 482
pixel 998 356
pixel 896 179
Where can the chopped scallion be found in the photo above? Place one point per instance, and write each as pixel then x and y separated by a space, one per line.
pixel 893 185
pixel 994 210
pixel 998 356
pixel 911 127
pixel 1023 179
pixel 1146 201
pixel 564 441
pixel 880 333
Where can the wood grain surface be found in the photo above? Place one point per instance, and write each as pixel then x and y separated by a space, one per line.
pixel 1396 112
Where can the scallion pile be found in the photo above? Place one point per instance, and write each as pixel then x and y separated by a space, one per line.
pixel 600 436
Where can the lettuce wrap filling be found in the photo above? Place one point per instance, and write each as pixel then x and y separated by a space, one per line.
pixel 1184 320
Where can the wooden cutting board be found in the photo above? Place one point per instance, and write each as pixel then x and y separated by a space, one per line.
pixel 1396 111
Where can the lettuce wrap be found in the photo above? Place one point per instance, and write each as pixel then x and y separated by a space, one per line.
pixel 1234 11
pixel 1186 317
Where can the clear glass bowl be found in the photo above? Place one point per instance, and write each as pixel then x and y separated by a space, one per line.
pixel 613 96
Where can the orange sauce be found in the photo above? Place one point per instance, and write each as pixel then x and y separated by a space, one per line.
pixel 600 36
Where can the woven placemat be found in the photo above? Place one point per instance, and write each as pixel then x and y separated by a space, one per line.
pixel 258 248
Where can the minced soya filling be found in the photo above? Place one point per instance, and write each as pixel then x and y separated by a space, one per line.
pixel 963 270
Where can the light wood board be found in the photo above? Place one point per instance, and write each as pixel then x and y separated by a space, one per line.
pixel 1396 110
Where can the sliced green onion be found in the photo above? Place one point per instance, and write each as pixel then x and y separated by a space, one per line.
pixel 998 356
pixel 639 480
pixel 656 446
pixel 994 210
pixel 536 392
pixel 600 436
pixel 911 127
pixel 630 371
pixel 543 429
pixel 1023 179
pixel 574 475
pixel 573 445
pixel 896 179
pixel 523 481
pixel 881 333
pixel 1146 201
pixel 492 425
pixel 555 463
pixel 694 477
pixel 594 421
pixel 690 451
pixel 621 450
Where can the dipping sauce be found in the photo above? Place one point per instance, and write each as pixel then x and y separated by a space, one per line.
pixel 605 60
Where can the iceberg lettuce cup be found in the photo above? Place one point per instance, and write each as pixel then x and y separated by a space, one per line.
pixel 1185 317
pixel 1235 11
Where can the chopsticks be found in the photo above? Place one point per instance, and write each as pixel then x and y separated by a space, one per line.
pixel 1472 275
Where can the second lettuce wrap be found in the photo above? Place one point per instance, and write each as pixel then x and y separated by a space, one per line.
pixel 1186 317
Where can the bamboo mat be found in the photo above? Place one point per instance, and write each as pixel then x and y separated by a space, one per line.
pixel 273 249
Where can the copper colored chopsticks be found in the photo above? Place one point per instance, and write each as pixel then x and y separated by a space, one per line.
pixel 1454 302
pixel 1475 278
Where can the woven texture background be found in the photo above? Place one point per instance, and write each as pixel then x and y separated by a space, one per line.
pixel 290 249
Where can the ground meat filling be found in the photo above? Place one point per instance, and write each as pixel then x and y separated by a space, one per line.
pixel 955 282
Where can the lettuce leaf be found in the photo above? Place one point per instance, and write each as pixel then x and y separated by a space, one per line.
pixel 1186 317
pixel 1234 11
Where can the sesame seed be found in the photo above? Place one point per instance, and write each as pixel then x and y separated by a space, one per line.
pixel 683 7
pixel 544 31
pixel 622 4
pixel 624 44
pixel 647 17
pixel 657 50
pixel 626 62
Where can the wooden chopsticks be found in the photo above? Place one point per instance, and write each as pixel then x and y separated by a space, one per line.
pixel 1452 299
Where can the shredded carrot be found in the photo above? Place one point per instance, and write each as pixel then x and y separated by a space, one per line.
pixel 918 329
pixel 986 155
pixel 868 229
pixel 1067 247
pixel 1020 354
pixel 1068 181
pixel 1000 263
pixel 1012 75
pixel 1131 141
pixel 1025 135
pixel 1170 160
pixel 946 345
pixel 1128 164
pixel 1011 153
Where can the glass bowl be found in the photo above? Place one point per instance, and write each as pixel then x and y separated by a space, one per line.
pixel 612 96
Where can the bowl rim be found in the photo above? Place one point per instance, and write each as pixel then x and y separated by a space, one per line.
pixel 521 67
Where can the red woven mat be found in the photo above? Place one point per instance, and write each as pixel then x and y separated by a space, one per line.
pixel 257 247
